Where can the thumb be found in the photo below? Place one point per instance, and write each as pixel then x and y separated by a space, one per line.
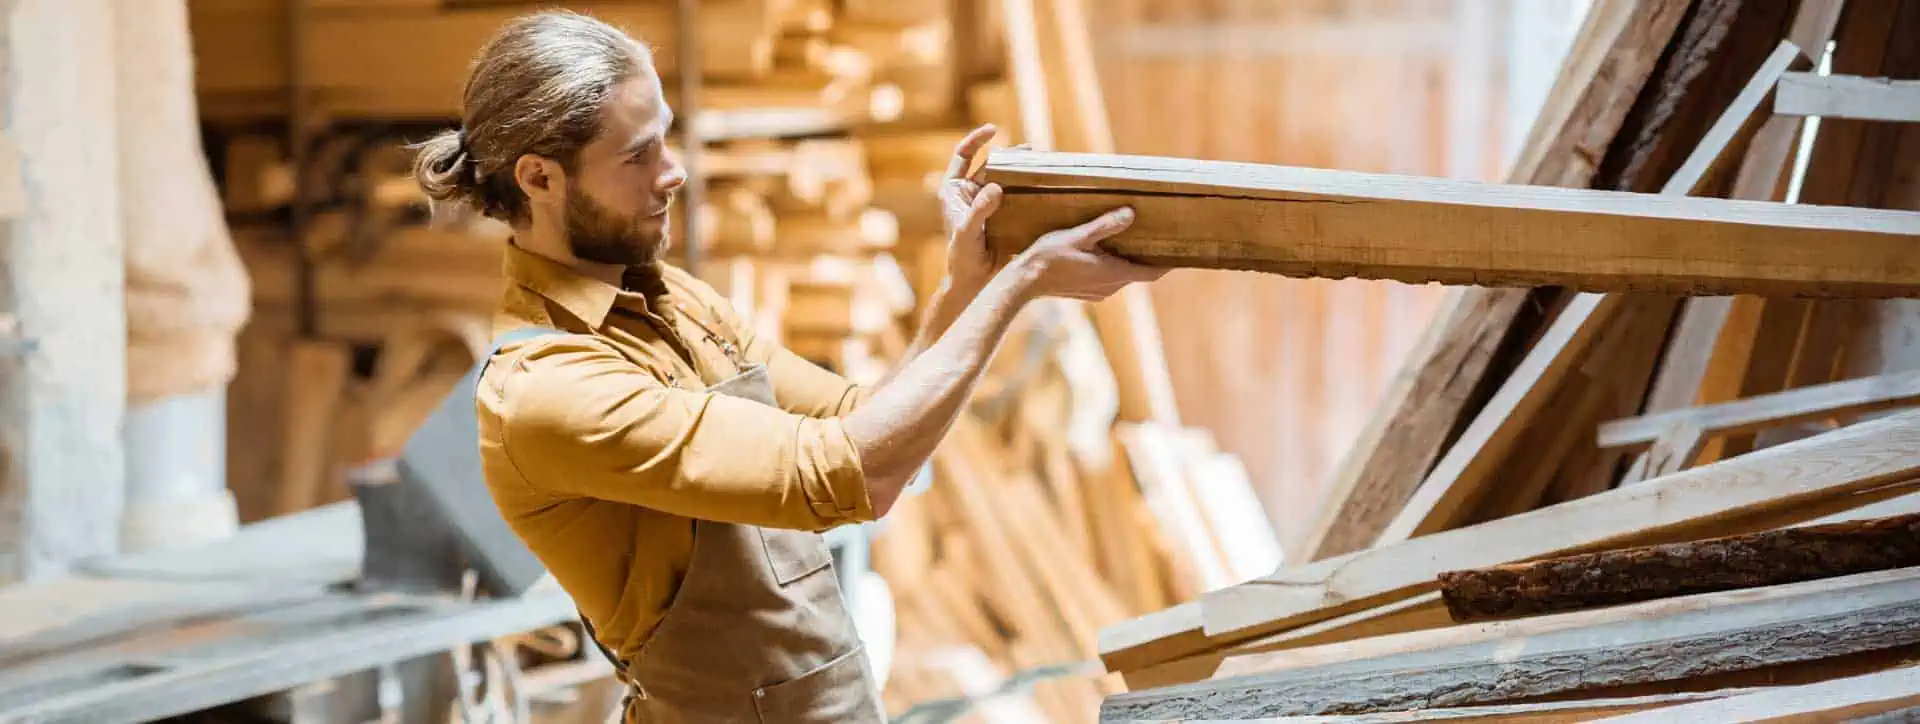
pixel 1087 236
pixel 984 204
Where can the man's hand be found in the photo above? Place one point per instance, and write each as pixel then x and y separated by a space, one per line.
pixel 965 206
pixel 1069 263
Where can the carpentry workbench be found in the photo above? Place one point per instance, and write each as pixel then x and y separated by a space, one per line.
pixel 269 610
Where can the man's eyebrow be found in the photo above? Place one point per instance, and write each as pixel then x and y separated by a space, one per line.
pixel 641 143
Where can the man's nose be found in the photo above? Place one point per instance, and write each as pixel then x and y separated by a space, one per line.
pixel 674 178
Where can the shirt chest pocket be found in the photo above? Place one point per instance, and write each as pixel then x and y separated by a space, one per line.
pixel 793 554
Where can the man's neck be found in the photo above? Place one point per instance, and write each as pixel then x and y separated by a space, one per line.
pixel 552 245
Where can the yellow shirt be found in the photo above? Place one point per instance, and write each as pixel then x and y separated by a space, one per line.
pixel 601 448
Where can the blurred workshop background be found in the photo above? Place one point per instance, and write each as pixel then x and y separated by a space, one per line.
pixel 292 305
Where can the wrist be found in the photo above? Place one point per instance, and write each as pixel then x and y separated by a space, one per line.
pixel 960 287
pixel 1021 277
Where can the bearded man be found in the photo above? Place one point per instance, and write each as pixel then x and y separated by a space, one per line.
pixel 672 470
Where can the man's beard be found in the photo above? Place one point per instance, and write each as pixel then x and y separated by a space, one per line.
pixel 597 234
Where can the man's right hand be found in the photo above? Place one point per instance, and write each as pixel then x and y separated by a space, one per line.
pixel 1069 262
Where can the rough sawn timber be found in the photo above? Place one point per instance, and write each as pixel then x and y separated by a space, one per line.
pixel 1848 618
pixel 1699 502
pixel 1338 224
pixel 1621 576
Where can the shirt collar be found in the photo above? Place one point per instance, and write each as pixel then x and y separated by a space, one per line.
pixel 582 296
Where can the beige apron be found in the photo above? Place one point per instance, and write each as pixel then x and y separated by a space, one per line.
pixel 758 630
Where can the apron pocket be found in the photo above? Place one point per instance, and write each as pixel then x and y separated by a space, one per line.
pixel 837 691
pixel 794 554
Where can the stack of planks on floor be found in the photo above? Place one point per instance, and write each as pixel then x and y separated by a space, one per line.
pixel 1068 498
pixel 1585 501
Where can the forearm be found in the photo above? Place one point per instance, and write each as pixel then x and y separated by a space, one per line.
pixel 905 419
pixel 948 302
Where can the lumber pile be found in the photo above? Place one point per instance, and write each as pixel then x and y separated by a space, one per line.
pixel 1067 499
pixel 1604 497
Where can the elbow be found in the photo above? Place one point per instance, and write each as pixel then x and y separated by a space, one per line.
pixel 883 493
pixel 887 489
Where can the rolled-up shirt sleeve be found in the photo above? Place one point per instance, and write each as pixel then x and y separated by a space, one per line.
pixel 581 420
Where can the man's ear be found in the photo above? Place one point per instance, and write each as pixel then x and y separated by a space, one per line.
pixel 539 178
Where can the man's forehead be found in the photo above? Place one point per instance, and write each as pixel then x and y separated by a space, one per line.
pixel 638 111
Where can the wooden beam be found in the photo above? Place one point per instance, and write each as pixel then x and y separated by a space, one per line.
pixel 1543 712
pixel 1849 96
pixel 1491 632
pixel 1419 613
pixel 1847 616
pixel 1620 43
pixel 1862 456
pixel 316 378
pixel 1626 575
pixel 1847 699
pixel 1763 490
pixel 1446 496
pixel 1761 176
pixel 1337 224
pixel 1739 114
pixel 1831 400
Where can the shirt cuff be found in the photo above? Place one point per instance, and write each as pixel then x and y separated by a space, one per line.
pixel 835 483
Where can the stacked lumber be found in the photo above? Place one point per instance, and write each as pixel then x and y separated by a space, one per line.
pixel 1667 492
pixel 1068 497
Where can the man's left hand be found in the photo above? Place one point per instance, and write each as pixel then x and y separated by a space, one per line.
pixel 965 206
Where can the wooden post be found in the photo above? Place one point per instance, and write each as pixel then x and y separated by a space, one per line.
pixel 63 375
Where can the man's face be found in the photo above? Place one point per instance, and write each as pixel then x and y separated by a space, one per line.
pixel 616 204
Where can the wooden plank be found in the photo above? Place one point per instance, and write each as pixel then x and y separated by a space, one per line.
pixel 1847 616
pixel 1776 479
pixel 1849 96
pixel 1419 613
pixel 1676 449
pixel 1337 224
pixel 1179 632
pixel 1617 46
pixel 1763 370
pixel 1413 420
pixel 316 380
pixel 1715 564
pixel 1445 497
pixel 1545 712
pixel 1513 630
pixel 1831 400
pixel 1846 699
pixel 1624 377
pixel 1740 114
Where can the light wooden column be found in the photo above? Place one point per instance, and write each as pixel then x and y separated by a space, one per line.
pixel 63 371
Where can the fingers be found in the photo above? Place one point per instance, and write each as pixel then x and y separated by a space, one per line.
pixel 1089 235
pixel 964 152
pixel 984 204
